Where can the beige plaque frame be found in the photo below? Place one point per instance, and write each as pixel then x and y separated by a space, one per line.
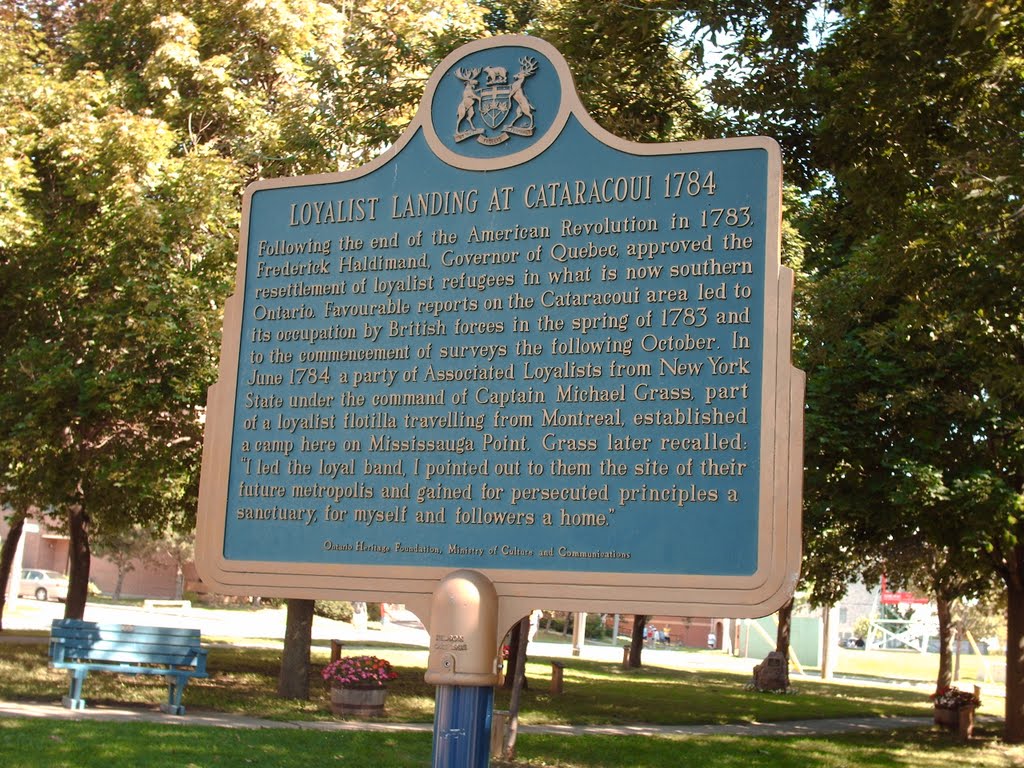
pixel 519 592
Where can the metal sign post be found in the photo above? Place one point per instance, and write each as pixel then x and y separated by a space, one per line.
pixel 463 663
pixel 514 345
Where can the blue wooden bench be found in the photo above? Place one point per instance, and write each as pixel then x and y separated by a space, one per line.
pixel 81 646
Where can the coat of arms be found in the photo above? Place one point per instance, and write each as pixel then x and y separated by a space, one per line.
pixel 494 101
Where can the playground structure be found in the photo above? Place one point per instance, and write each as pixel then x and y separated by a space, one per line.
pixel 888 630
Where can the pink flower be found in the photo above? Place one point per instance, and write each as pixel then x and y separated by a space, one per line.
pixel 361 671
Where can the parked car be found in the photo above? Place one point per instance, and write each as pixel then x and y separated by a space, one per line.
pixel 43 585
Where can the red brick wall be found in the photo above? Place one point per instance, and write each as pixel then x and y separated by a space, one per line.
pixel 690 633
pixel 50 552
pixel 148 579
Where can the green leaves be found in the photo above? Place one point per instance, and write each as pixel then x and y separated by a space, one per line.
pixel 125 146
pixel 913 320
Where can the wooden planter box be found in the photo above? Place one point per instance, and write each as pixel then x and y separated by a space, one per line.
pixel 960 720
pixel 358 702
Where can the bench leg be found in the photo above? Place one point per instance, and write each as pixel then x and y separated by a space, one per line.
pixel 175 688
pixel 74 698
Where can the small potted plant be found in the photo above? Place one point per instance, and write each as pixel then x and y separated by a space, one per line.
pixel 359 685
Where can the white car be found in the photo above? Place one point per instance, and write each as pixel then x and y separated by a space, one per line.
pixel 43 585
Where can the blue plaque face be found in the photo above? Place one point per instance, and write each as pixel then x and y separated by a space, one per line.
pixel 516 344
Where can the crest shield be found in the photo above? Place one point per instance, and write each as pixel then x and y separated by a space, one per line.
pixel 495 104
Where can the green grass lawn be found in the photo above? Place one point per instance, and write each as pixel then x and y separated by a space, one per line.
pixel 911 665
pixel 49 744
pixel 244 681
pixel 882 664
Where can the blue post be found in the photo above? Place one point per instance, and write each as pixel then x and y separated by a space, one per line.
pixel 462 726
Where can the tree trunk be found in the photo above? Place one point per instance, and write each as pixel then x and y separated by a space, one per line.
pixel 179 583
pixel 959 635
pixel 293 682
pixel 784 635
pixel 119 584
pixel 828 647
pixel 636 642
pixel 1014 733
pixel 522 630
pixel 7 552
pixel 944 611
pixel 516 638
pixel 957 642
pixel 80 560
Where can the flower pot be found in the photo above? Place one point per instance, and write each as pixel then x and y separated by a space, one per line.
pixel 358 702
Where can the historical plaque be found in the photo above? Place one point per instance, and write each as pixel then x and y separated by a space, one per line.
pixel 517 344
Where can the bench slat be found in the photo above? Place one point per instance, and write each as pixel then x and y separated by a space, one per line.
pixel 123 657
pixel 110 650
pixel 126 645
pixel 129 638
pixel 89 630
pixel 129 669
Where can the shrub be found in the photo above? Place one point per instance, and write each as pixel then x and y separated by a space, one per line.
pixel 336 610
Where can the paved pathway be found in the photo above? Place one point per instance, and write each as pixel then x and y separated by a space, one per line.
pixel 221 720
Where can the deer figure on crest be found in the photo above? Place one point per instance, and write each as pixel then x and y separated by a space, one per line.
pixel 469 95
pixel 524 108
